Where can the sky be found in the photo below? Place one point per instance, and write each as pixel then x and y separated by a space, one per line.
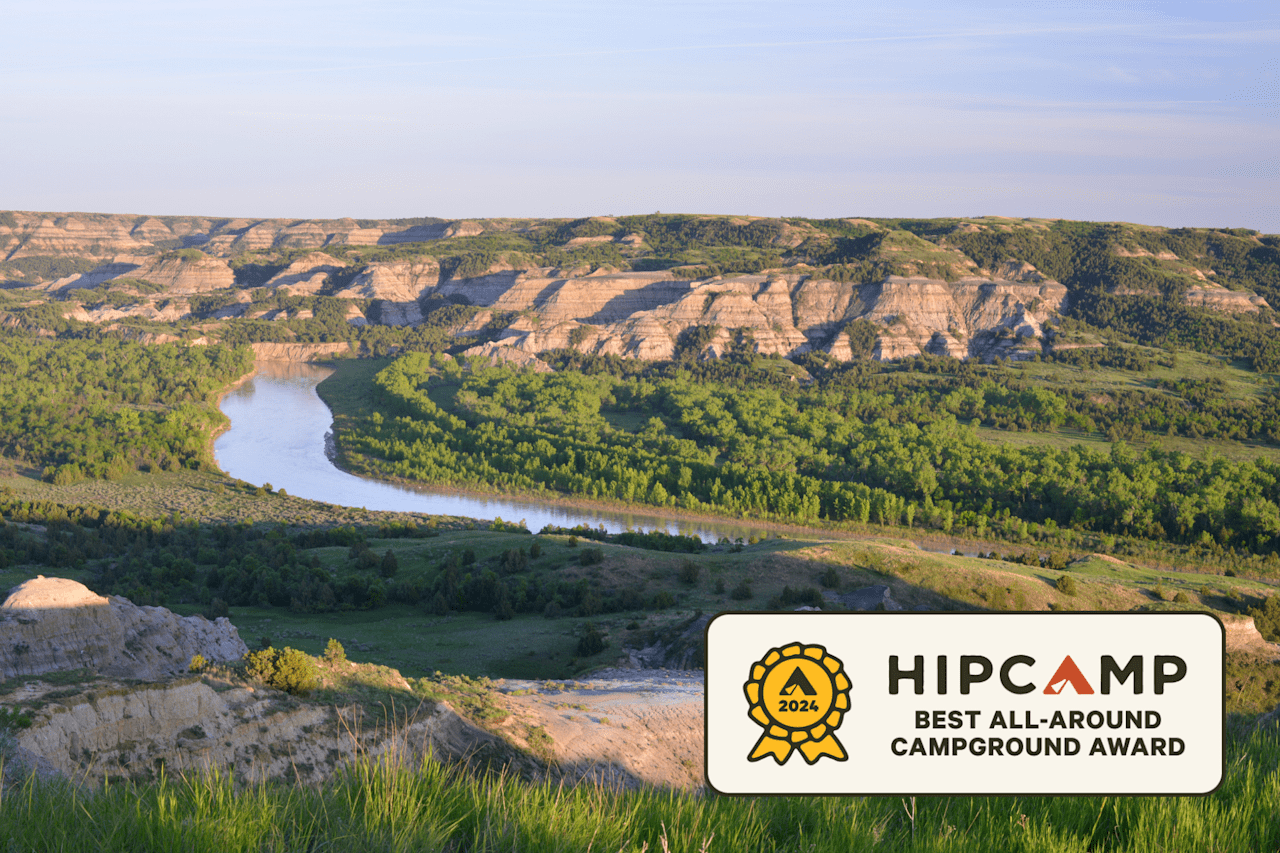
pixel 1153 112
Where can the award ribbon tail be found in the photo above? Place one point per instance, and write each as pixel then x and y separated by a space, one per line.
pixel 812 750
pixel 778 748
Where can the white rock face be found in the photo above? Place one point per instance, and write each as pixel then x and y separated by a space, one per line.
pixel 258 734
pixel 307 274
pixel 53 624
pixel 179 276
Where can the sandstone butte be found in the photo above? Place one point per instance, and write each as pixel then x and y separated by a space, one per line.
pixel 979 314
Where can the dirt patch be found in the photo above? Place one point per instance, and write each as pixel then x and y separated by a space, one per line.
pixel 622 727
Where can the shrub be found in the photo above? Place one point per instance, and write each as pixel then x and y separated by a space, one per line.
pixel 535 551
pixel 591 642
pixel 591 556
pixel 719 586
pixel 1067 585
pixel 741 592
pixel 689 571
pixel 831 578
pixel 662 600
pixel 334 653
pixel 390 565
pixel 198 664
pixel 1181 598
pixel 503 610
pixel 284 669
pixel 513 560
pixel 13 718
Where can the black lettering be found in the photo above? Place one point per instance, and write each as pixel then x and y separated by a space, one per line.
pixel 917 746
pixel 1162 678
pixel 1095 719
pixel 939 746
pixel 1176 746
pixel 894 746
pixel 1132 669
pixel 997 721
pixel 1119 746
pixel 939 719
pixel 958 745
pixel 1153 719
pixel 942 675
pixel 968 676
pixel 1097 747
pixel 1157 746
pixel 922 719
pixel 896 675
pixel 957 719
pixel 1010 664
pixel 1077 719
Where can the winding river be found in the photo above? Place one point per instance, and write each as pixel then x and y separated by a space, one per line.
pixel 278 435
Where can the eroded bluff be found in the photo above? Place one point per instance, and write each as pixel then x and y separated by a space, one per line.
pixel 55 624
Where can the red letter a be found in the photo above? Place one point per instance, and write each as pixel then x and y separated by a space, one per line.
pixel 1068 672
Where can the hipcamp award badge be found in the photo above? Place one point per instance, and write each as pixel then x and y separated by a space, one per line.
pixel 798 695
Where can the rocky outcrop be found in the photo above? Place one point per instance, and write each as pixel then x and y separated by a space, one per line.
pixel 402 281
pixel 116 729
pixel 161 311
pixel 52 624
pixel 642 315
pixel 1219 298
pixel 183 275
pixel 682 648
pixel 298 352
pixel 109 235
pixel 1243 635
pixel 307 274
pixel 495 353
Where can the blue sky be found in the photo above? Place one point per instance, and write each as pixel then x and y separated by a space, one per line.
pixel 1162 113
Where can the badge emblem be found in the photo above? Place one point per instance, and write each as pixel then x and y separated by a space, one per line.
pixel 798 695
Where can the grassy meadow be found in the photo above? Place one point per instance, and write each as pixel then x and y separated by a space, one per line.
pixel 380 805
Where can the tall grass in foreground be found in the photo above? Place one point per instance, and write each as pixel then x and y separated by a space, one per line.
pixel 381 805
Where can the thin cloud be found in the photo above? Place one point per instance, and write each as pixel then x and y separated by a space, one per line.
pixel 917 37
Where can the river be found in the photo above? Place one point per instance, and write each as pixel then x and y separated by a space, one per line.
pixel 278 433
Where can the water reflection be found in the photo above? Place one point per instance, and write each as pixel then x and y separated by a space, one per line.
pixel 277 436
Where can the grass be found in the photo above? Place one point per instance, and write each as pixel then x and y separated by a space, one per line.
pixel 382 805
pixel 203 496
pixel 403 637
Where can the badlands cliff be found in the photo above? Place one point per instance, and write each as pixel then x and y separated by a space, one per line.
pixel 629 286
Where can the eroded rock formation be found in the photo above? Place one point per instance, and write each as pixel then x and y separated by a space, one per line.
pixel 52 624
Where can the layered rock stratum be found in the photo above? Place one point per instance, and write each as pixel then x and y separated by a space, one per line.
pixel 53 624
pixel 929 298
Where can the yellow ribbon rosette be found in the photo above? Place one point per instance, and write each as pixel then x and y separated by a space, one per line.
pixel 798 695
